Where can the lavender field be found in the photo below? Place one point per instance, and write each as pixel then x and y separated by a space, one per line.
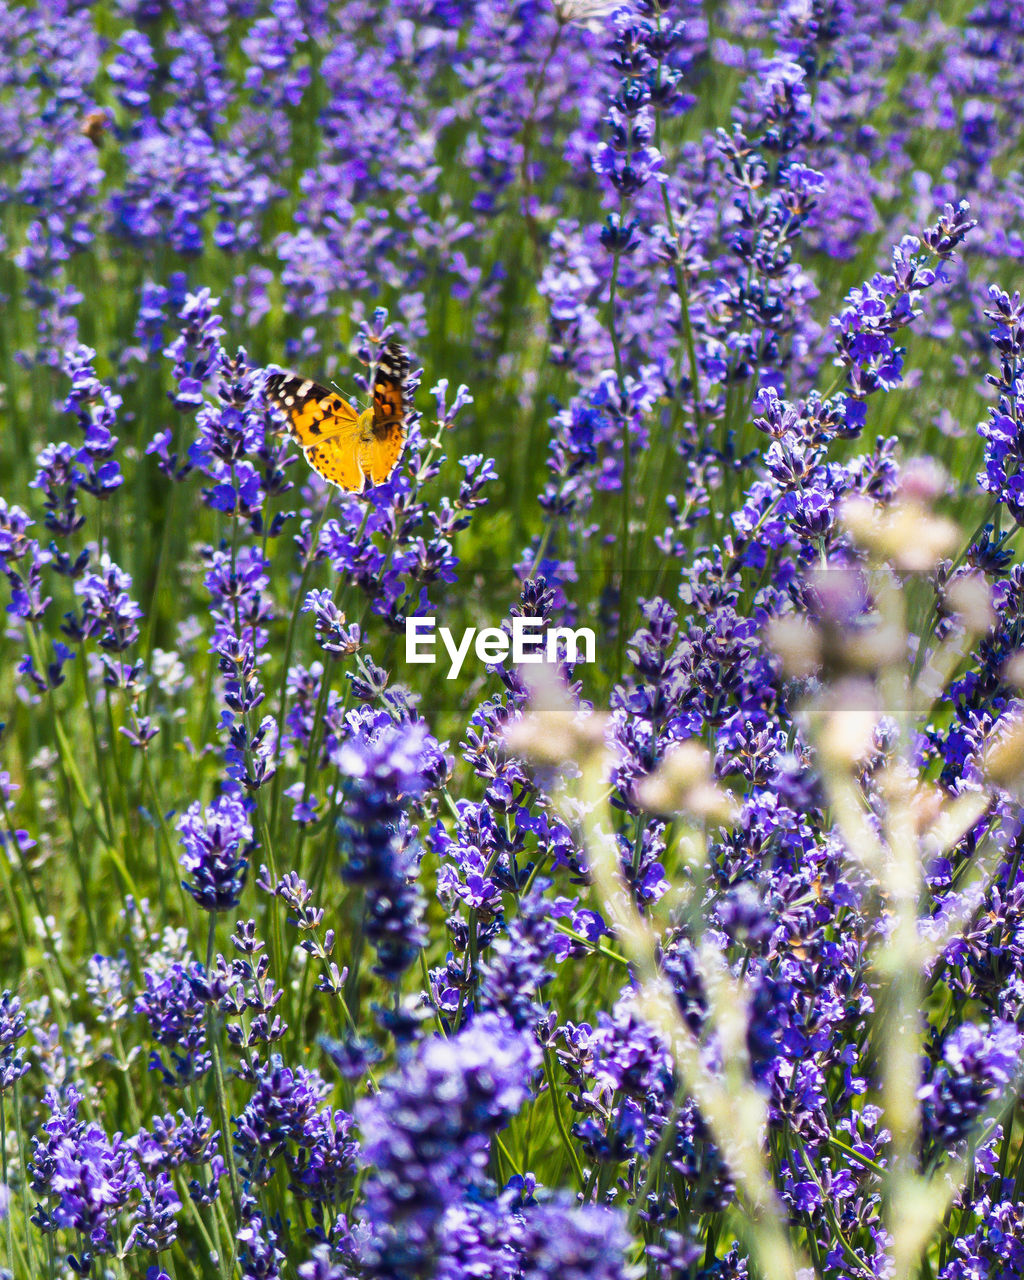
pixel 684 338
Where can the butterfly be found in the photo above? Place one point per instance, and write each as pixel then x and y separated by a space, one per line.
pixel 94 126
pixel 344 446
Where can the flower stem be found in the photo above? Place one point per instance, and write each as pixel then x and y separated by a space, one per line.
pixel 218 1077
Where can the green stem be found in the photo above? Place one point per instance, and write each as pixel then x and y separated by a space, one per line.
pixel 20 1132
pixel 529 129
pixel 67 757
pixel 289 645
pixel 6 1182
pixel 574 1160
pixel 52 950
pixel 218 1078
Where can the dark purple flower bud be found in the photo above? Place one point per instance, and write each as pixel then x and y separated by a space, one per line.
pixel 632 97
pixel 618 236
pixel 629 133
pixel 630 56
pixel 950 229
pixel 54 676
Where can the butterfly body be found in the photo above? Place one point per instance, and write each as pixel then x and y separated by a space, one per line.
pixel 343 445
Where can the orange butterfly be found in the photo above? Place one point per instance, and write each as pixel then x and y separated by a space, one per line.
pixel 342 445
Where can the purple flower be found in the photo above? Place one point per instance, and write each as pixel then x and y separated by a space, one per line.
pixel 12 1028
pixel 566 1242
pixel 95 406
pixel 331 633
pixel 218 843
pixel 155 1217
pixel 1004 443
pixel 877 310
pixel 977 1067
pixel 516 970
pixel 108 614
pixel 427 1134
pixel 177 1141
pixel 277 1117
pixel 197 352
pixel 323 1166
pixel 388 764
pixel 995 1247
pixel 59 480
pixel 83 1177
pixel 259 1255
pixel 630 173
pixel 447 413
pixel 174 1003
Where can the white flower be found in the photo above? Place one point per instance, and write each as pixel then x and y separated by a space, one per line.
pixel 585 12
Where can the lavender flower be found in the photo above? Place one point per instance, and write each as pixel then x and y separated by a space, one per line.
pixel 279 1113
pixel 575 1243
pixel 174 1005
pixel 423 1150
pixel 218 842
pixel 679 253
pixel 84 1178
pixel 331 632
pixel 12 1028
pixel 386 762
pixel 976 1068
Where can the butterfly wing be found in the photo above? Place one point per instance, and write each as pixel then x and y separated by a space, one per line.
pixel 313 413
pixel 380 451
pixel 337 462
pixel 379 456
pixel 389 384
pixel 325 427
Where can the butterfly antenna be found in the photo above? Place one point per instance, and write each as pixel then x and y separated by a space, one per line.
pixel 354 396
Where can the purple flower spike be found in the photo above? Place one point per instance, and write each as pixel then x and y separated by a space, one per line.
pixel 426 1136
pixel 12 1028
pixel 389 765
pixel 218 844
